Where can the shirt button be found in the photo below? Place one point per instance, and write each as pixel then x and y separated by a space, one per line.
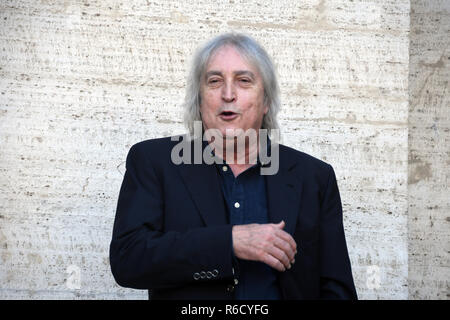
pixel 237 205
pixel 225 168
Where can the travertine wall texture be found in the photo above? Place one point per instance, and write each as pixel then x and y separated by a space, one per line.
pixel 429 151
pixel 82 81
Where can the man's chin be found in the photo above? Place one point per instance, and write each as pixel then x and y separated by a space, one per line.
pixel 228 133
pixel 225 133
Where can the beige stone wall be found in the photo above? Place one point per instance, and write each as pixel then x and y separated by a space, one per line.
pixel 81 81
pixel 429 151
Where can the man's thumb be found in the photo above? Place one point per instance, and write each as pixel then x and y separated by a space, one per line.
pixel 281 224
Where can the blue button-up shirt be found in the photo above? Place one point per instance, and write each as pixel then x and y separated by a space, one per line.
pixel 245 197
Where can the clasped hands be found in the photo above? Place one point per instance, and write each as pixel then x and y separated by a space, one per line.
pixel 267 243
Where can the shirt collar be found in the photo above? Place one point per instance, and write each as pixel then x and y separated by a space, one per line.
pixel 218 161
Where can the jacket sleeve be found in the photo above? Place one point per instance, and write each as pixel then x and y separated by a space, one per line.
pixel 143 255
pixel 336 280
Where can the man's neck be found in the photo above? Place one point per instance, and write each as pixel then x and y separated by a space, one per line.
pixel 238 160
pixel 239 168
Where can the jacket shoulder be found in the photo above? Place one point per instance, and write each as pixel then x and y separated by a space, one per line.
pixel 306 161
pixel 153 151
pixel 155 144
pixel 307 167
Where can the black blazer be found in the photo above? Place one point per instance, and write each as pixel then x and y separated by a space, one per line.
pixel 171 224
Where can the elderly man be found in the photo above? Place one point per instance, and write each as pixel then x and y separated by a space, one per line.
pixel 190 228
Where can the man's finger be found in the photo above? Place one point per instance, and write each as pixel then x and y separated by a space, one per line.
pixel 285 246
pixel 288 238
pixel 281 256
pixel 273 262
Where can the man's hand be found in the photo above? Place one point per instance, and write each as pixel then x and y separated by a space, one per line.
pixel 267 243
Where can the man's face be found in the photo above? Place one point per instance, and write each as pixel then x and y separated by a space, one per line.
pixel 232 93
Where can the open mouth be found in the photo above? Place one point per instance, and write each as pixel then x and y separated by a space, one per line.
pixel 228 115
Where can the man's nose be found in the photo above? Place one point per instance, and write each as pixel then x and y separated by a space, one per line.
pixel 228 92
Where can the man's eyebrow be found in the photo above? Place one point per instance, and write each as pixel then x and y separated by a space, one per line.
pixel 238 73
pixel 245 72
pixel 213 73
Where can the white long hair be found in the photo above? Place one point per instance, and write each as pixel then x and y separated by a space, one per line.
pixel 255 55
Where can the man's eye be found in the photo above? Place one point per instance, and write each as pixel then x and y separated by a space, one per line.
pixel 244 80
pixel 213 81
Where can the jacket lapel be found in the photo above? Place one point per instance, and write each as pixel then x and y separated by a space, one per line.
pixel 202 183
pixel 283 193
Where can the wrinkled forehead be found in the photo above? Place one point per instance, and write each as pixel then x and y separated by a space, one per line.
pixel 232 58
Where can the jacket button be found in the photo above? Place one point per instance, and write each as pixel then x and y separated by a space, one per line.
pixel 203 274
pixel 196 276
pixel 209 275
pixel 215 272
pixel 230 288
